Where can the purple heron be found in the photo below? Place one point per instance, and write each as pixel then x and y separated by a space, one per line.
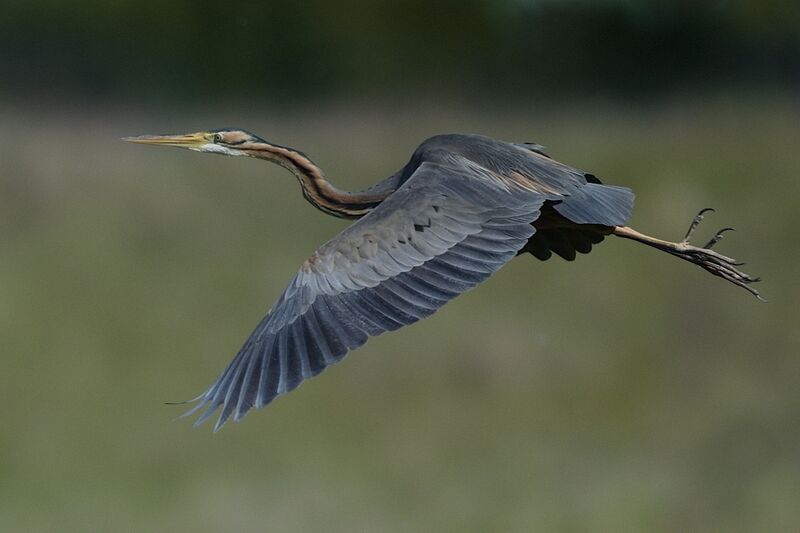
pixel 461 208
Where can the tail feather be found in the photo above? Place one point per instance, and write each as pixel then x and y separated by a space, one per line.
pixel 607 205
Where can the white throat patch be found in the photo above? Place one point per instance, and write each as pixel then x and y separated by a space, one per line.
pixel 218 149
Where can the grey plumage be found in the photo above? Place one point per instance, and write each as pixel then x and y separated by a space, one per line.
pixel 464 206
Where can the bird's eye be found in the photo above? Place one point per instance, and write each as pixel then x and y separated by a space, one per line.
pixel 217 137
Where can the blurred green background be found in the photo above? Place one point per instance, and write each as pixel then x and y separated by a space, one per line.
pixel 626 391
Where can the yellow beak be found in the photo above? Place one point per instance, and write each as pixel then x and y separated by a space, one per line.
pixel 189 140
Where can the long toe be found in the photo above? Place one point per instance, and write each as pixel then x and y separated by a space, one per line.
pixel 698 218
pixel 716 238
pixel 721 266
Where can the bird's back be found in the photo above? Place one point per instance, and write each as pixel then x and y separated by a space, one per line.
pixel 578 196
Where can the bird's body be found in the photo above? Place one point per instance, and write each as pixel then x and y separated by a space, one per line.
pixel 462 207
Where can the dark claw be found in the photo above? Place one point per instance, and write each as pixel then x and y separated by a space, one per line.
pixel 696 222
pixel 716 238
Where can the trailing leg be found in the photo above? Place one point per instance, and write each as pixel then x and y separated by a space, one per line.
pixel 704 256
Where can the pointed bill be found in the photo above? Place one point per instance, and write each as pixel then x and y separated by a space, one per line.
pixel 188 140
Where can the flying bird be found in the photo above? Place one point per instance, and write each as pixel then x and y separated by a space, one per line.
pixel 461 208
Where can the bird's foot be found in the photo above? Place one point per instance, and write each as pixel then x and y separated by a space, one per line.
pixel 711 261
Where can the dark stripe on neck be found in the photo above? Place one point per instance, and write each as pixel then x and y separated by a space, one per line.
pixel 316 188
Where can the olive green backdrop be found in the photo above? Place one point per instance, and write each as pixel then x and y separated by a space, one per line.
pixel 626 391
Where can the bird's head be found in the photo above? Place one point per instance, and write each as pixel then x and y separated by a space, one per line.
pixel 223 141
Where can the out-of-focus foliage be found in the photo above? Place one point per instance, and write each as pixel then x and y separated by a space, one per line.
pixel 322 50
pixel 626 391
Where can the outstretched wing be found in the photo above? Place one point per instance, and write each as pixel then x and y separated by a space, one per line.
pixel 446 229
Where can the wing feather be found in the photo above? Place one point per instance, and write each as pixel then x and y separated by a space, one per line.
pixel 440 234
